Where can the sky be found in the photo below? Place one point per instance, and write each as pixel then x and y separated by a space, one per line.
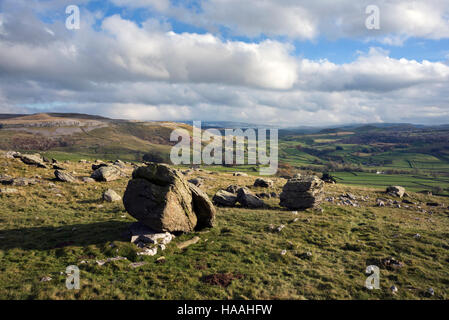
pixel 277 62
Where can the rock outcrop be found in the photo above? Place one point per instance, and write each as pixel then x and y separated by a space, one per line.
pixel 64 176
pixel 249 200
pixel 111 196
pixel 33 160
pixel 107 173
pixel 264 183
pixel 305 192
pixel 225 198
pixel 396 191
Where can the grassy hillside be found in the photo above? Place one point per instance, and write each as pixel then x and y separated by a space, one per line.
pixel 45 228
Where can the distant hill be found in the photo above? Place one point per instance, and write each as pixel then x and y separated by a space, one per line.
pixel 87 136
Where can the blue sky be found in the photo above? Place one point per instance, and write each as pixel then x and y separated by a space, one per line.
pixel 280 62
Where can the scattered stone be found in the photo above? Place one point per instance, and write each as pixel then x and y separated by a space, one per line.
pixel 141 235
pixel 102 262
pixel 8 191
pixel 417 236
pixel 33 159
pixel 306 255
pixel 185 244
pixel 46 279
pixel 283 252
pixel 64 176
pixel 12 154
pixel 432 204
pixel 263 183
pixel 225 198
pixel 279 229
pixel 430 292
pixel 87 180
pixel 137 264
pixel 396 191
pixel 106 174
pixel 160 259
pixel 248 199
pixel 391 263
pixel 22 182
pixel 394 289
pixel 119 163
pixel 240 174
pixel 303 193
pixel 380 203
pixel 111 196
pixel 350 196
pixel 148 252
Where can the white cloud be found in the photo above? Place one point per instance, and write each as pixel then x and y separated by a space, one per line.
pixel 308 19
pixel 146 71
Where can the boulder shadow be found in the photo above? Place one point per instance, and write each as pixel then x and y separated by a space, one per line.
pixel 47 238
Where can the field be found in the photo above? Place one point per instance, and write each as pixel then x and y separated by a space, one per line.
pixel 45 228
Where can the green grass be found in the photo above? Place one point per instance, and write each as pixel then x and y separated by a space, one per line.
pixel 41 234
pixel 412 182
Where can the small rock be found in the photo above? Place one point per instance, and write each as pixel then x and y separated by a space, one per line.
pixel 102 262
pixel 46 279
pixel 8 191
pixel 283 252
pixel 111 196
pixel 137 264
pixel 394 289
pixel 185 244
pixel 430 292
pixel 263 183
pixel 148 252
pixel 63 176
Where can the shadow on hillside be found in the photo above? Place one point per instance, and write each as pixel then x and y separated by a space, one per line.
pixel 46 238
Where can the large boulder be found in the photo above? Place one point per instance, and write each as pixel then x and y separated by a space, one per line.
pixel 224 198
pixel 396 191
pixel 302 193
pixel 249 200
pixel 264 183
pixel 64 176
pixel 203 208
pixel 108 173
pixel 33 159
pixel 160 198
